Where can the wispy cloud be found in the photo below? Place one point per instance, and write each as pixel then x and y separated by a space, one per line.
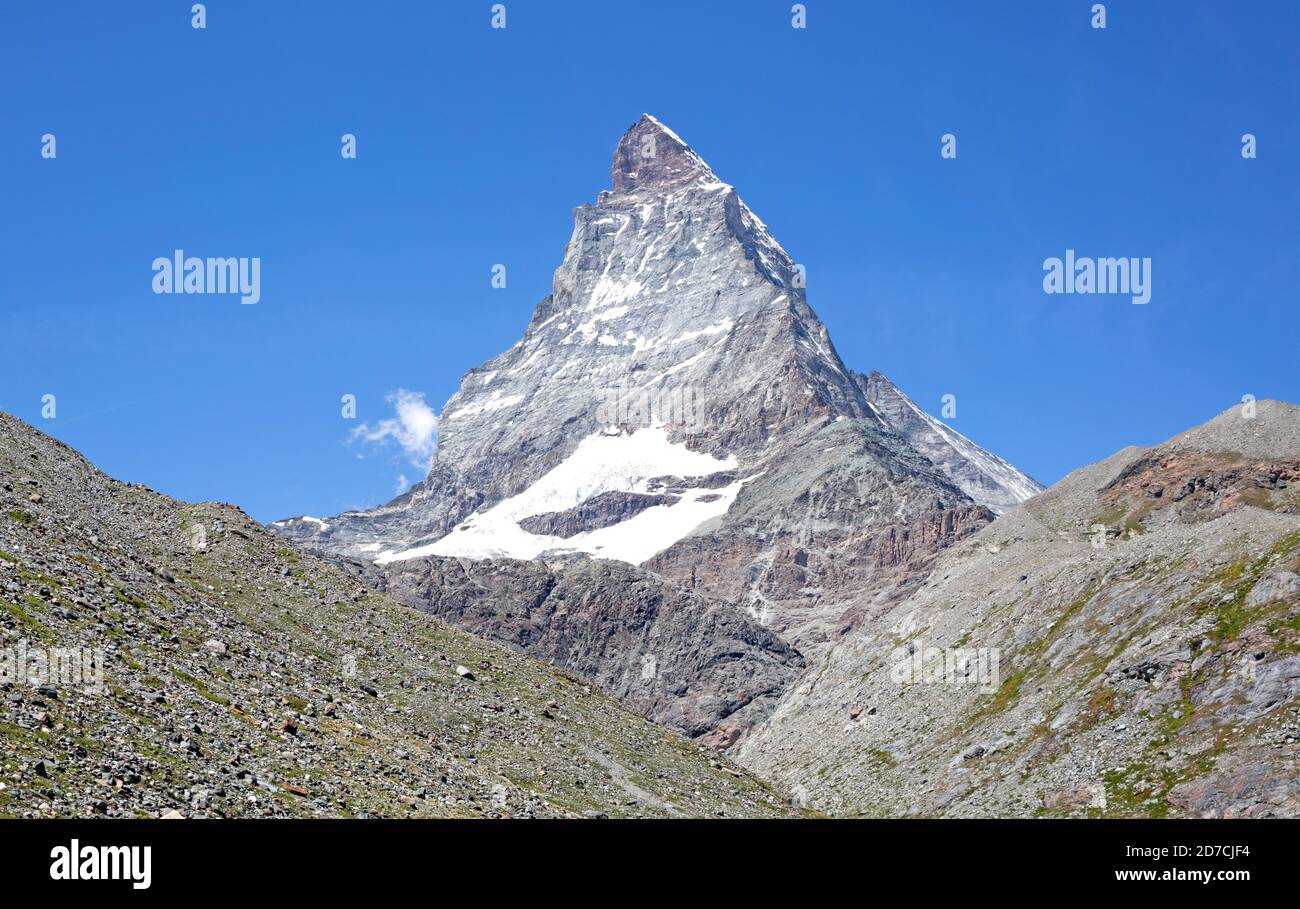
pixel 414 428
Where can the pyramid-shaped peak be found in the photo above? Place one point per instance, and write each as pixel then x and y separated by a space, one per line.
pixel 650 155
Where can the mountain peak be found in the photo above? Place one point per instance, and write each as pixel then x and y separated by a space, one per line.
pixel 675 398
pixel 650 155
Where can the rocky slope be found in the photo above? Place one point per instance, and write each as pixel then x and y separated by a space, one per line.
pixel 241 677
pixel 1125 644
pixel 675 403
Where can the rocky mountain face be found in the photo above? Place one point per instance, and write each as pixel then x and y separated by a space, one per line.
pixel 1125 644
pixel 698 666
pixel 239 677
pixel 675 404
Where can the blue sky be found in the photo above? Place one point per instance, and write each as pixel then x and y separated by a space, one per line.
pixel 474 146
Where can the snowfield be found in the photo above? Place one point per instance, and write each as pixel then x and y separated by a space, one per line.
pixel 603 462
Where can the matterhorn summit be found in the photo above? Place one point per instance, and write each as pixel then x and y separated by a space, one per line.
pixel 674 403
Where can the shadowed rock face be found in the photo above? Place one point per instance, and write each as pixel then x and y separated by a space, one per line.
pixel 1144 619
pixel 698 666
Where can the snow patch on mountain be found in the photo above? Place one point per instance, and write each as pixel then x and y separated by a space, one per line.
pixel 610 292
pixel 716 329
pixel 497 401
pixel 603 462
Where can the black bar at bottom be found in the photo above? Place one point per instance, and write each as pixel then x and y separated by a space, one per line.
pixel 297 858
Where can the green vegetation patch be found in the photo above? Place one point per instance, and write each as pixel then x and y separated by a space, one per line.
pixel 201 688
pixel 1138 790
pixel 30 624
pixel 1232 615
pixel 130 599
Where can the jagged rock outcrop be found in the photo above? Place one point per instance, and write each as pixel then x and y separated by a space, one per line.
pixel 1123 644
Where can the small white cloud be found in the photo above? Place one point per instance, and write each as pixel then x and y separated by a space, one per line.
pixel 403 484
pixel 415 428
